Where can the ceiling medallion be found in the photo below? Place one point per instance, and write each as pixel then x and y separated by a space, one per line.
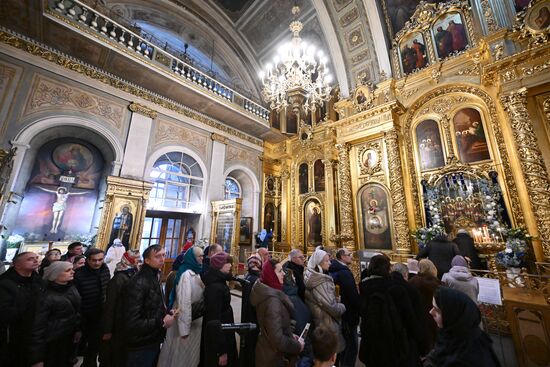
pixel 298 76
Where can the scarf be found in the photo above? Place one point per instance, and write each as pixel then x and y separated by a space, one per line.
pixel 315 259
pixel 268 276
pixel 189 263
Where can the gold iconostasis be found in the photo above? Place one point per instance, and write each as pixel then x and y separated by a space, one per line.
pixel 458 138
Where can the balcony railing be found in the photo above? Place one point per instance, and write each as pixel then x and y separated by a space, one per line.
pixel 113 32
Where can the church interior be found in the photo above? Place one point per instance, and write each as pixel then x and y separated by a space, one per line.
pixel 371 125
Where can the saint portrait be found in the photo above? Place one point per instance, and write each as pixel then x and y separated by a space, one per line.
pixel 449 35
pixel 269 216
pixel 400 12
pixel 373 204
pixel 428 141
pixel 270 184
pixel 313 223
pixel 122 225
pixel 538 17
pixel 319 175
pixel 361 98
pixel 303 178
pixel 412 51
pixel 370 158
pixel 470 136
pixel 245 233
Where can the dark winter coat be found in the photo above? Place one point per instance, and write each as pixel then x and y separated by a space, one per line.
pixel 56 322
pixel 145 309
pixel 113 315
pixel 18 297
pixel 217 300
pixel 275 343
pixel 426 286
pixel 349 295
pixel 247 352
pixel 441 253
pixel 298 272
pixel 321 300
pixel 466 247
pixel 400 297
pixel 92 286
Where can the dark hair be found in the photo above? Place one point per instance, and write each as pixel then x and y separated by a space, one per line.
pixel 324 343
pixel 73 245
pixel 151 249
pixel 52 250
pixel 77 258
pixel 93 251
pixel 19 255
pixel 379 265
pixel 339 253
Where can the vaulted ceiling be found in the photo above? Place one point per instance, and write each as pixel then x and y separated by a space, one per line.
pixel 235 38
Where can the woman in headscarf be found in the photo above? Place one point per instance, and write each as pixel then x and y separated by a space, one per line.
pixel 112 351
pixel 276 342
pixel 114 254
pixel 50 256
pixel 426 283
pixel 461 279
pixel 183 342
pixel 321 295
pixel 220 348
pixel 460 341
pixel 57 319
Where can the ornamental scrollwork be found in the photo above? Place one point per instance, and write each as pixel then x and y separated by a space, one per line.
pixel 346 204
pixel 527 25
pixel 143 110
pixel 369 158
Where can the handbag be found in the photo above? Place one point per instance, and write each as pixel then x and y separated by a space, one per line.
pixel 198 309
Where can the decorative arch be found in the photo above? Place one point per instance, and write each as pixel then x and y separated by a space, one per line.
pixel 153 157
pixel 254 195
pixel 484 99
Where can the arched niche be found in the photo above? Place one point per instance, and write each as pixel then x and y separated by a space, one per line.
pixel 313 223
pixel 303 178
pixel 374 212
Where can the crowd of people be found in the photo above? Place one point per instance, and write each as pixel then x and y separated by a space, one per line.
pixel 308 313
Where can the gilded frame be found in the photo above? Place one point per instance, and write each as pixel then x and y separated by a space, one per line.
pixel 359 214
pixel 320 197
pixel 437 118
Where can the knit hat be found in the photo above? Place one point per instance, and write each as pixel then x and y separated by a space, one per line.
pixel 219 260
pixel 315 259
pixel 459 261
pixel 52 271
pixel 117 242
pixel 129 260
pixel 254 261
pixel 412 264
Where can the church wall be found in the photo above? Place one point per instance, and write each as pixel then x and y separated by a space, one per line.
pixel 38 96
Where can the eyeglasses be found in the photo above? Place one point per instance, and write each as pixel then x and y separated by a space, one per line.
pixel 347 254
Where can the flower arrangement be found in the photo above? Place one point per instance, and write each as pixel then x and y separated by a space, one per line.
pixel 15 241
pixel 513 256
pixel 426 234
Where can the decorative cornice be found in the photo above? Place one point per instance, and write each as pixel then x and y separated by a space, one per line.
pixel 34 48
pixel 219 138
pixel 143 110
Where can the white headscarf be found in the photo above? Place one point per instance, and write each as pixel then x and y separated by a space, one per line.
pixel 315 259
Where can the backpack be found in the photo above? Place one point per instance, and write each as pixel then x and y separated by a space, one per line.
pixel 384 338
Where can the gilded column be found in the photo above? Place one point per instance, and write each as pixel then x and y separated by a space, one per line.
pixel 534 170
pixel 399 209
pixel 345 198
pixel 285 195
pixel 329 201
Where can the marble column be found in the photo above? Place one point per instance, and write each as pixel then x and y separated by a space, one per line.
pixel 216 180
pixel 399 210
pixel 535 175
pixel 135 152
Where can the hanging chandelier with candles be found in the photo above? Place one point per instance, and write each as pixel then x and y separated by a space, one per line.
pixel 298 75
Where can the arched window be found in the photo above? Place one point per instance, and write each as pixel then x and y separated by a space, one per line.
pixel 178 181
pixel 232 188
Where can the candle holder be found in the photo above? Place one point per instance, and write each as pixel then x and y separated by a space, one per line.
pixel 489 250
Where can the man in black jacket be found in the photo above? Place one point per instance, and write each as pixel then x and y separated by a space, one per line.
pixel 343 277
pixel 467 249
pixel 20 286
pixel 91 282
pixel 146 313
pixel 440 251
pixel 296 265
pixel 74 250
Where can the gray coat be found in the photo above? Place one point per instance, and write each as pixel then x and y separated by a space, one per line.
pixel 321 300
pixel 460 278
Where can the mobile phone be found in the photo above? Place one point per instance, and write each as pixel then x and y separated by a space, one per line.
pixel 304 332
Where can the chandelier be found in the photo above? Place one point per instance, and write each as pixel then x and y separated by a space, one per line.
pixel 298 75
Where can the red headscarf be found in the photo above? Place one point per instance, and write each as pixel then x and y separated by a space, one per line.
pixel 268 276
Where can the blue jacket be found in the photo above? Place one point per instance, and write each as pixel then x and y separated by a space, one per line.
pixel 343 277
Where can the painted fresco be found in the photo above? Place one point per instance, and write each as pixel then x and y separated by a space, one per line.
pixel 313 223
pixel 319 175
pixel 430 149
pixel 303 178
pixel 470 136
pixel 413 53
pixel 449 34
pixel 373 201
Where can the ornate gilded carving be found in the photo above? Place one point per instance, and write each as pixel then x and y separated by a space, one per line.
pixel 401 226
pixel 527 27
pixel 489 16
pixel 143 110
pixel 7 77
pixel 346 200
pixel 48 94
pixel 71 64
pixel 219 138
pixel 532 162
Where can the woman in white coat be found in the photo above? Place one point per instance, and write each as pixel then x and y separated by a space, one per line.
pixel 114 255
pixel 183 341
